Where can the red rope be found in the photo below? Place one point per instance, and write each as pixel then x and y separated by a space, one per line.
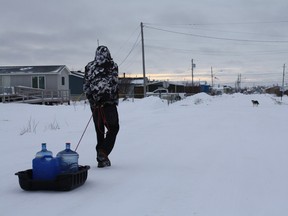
pixel 101 114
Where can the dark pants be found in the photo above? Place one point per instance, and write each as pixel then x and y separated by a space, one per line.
pixel 106 117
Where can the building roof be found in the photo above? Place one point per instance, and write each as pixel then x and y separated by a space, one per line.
pixel 20 70
pixel 78 74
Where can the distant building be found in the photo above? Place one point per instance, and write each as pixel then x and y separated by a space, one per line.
pixel 51 77
pixel 45 84
pixel 76 80
pixel 204 87
pixel 172 87
pixel 131 87
pixel 277 90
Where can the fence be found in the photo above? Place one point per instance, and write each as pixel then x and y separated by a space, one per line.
pixel 37 96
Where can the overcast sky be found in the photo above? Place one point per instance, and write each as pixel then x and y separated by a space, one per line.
pixel 247 37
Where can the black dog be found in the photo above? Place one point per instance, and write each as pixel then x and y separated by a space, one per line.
pixel 255 102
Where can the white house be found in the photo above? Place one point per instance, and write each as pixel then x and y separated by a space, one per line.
pixel 46 84
pixel 48 77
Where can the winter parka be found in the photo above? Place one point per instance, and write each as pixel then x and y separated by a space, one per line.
pixel 101 79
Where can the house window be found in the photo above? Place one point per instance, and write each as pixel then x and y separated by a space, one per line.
pixel 38 82
pixel 41 82
pixel 63 80
pixel 34 82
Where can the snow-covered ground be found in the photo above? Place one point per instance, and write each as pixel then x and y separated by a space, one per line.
pixel 208 156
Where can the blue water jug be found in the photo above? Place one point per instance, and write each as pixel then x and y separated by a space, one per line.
pixel 43 152
pixel 45 168
pixel 68 160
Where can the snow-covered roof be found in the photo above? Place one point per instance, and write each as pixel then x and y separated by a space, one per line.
pixel 79 74
pixel 137 81
pixel 20 70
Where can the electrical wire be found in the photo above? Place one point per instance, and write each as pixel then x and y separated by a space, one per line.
pixel 223 23
pixel 214 37
pixel 214 52
pixel 126 42
pixel 133 47
pixel 132 59
pixel 218 52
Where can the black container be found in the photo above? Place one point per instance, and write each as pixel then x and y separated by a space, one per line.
pixel 63 182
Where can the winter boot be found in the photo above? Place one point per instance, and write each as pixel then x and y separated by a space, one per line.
pixel 103 160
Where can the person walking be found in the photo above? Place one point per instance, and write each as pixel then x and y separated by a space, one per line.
pixel 101 89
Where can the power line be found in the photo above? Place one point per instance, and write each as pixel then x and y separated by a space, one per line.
pixel 216 38
pixel 222 23
pixel 218 52
pixel 124 44
pixel 233 32
pixel 132 59
pixel 222 51
pixel 133 47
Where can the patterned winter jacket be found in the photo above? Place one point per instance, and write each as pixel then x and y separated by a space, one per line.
pixel 101 79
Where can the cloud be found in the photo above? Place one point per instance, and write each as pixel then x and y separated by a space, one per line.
pixel 37 32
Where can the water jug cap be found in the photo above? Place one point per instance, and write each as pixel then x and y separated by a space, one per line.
pixel 43 145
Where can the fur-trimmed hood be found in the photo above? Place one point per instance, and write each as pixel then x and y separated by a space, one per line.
pixel 102 55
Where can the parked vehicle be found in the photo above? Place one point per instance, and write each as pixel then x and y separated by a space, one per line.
pixel 164 94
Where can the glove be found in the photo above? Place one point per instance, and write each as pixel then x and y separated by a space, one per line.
pixel 91 100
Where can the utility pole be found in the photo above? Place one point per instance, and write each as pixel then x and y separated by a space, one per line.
pixel 283 82
pixel 143 60
pixel 192 67
pixel 212 77
pixel 238 83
